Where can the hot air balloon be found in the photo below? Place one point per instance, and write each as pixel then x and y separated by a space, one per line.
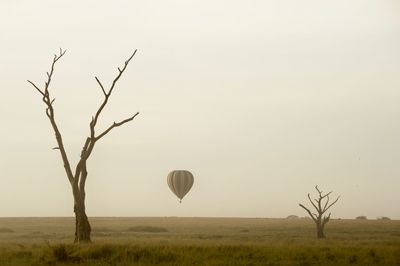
pixel 180 182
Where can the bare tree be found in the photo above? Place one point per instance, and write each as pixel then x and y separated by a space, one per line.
pixel 321 205
pixel 77 179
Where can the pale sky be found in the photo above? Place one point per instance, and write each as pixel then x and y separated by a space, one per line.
pixel 260 100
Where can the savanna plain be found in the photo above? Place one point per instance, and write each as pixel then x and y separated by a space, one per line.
pixel 199 241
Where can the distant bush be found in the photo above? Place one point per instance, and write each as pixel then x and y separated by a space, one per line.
pixel 292 217
pixel 362 217
pixel 147 229
pixel 6 230
pixel 383 218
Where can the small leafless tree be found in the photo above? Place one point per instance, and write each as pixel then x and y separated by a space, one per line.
pixel 77 179
pixel 321 205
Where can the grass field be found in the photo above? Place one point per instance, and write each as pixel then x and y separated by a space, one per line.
pixel 199 241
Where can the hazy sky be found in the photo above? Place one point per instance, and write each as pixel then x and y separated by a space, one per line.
pixel 260 100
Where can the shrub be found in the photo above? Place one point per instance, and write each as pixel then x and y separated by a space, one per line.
pixel 292 217
pixel 383 218
pixel 60 252
pixel 362 217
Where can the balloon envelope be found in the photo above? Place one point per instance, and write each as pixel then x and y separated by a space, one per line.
pixel 180 182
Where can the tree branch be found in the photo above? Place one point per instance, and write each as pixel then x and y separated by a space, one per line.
pixel 107 94
pixel 50 114
pixel 316 187
pixel 326 219
pixel 309 212
pixel 326 195
pixel 115 125
pixel 101 86
pixel 79 166
pixel 36 87
pixel 308 195
pixel 330 205
pixel 326 203
pixel 80 171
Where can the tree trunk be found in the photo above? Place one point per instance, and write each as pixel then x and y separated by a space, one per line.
pixel 82 225
pixel 320 231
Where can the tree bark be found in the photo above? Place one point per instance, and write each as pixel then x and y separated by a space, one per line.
pixel 320 231
pixel 82 225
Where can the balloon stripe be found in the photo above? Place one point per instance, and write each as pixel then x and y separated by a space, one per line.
pixel 175 180
pixel 169 181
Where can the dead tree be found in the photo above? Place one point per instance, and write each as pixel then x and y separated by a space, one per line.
pixel 321 205
pixel 77 178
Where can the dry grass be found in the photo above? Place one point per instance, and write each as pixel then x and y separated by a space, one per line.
pixel 200 241
pixel 6 230
pixel 146 229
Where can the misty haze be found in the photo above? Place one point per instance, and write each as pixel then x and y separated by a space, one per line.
pixel 200 132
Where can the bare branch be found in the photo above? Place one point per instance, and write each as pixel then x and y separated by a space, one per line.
pixel 101 86
pixel 330 205
pixel 308 195
pixel 326 195
pixel 116 125
pixel 49 75
pixel 319 191
pixel 120 72
pixel 326 203
pixel 108 94
pixel 84 156
pixel 309 212
pixel 50 114
pixel 90 143
pixel 36 87
pixel 61 53
pixel 326 219
pixel 319 200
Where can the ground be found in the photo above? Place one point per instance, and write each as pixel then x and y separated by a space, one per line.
pixel 199 241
